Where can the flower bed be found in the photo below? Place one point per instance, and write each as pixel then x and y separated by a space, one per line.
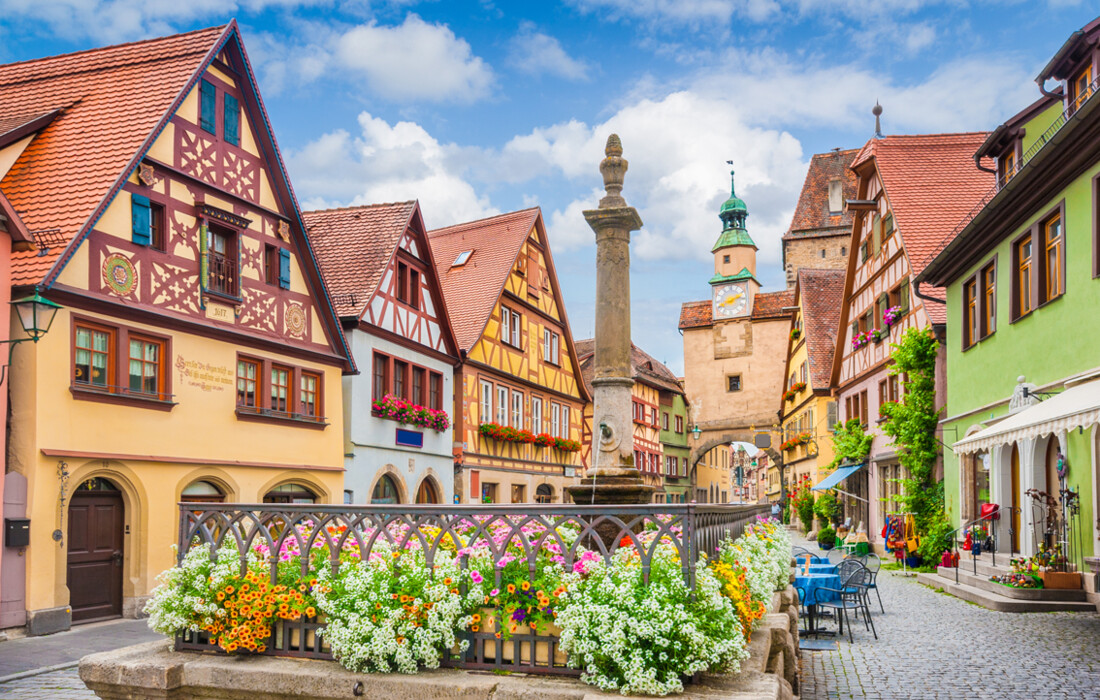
pixel 636 620
pixel 404 411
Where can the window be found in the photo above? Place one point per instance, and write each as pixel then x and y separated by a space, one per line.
pixel 505 325
pixel 309 403
pixel 550 342
pixel 400 379
pixel 536 415
pixel 290 493
pixel 803 373
pixel 822 252
pixel 836 196
pixel 248 374
pixel 271 264
pixel 1080 88
pixel 208 97
pixel 435 391
pixel 488 493
pixel 486 401
pixel 380 378
pixel 418 386
pixel 147 223
pixel 231 119
pixel 733 382
pixel 970 313
pixel 892 388
pixel 1021 296
pixel 519 493
pixel 157 234
pixel 1052 262
pixel 280 385
pixel 664 420
pixel 462 258
pixel 989 299
pixel 92 356
pixel 653 417
pixel 202 492
pixel 512 337
pixel 864 251
pixel 555 419
pixel 517 409
pixel 679 424
pixel 544 494
pixel 385 491
pixel 408 285
pixel 863 407
pixel 1008 165
pixel 564 422
pixel 726 259
pixel 221 261
pixel 887 227
pixel 502 405
pixel 146 366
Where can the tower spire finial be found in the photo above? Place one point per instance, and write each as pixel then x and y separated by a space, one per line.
pixel 877 111
pixel 733 190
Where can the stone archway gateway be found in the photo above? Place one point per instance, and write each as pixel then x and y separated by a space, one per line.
pixel 95 551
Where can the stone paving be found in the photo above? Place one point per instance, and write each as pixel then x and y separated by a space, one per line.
pixel 932 646
pixel 58 685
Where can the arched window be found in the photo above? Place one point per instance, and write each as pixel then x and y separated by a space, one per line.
pixel 290 493
pixel 96 484
pixel 202 492
pixel 385 491
pixel 427 493
pixel 544 494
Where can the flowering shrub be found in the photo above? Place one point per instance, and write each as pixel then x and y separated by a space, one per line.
pixel 767 550
pixel 891 315
pixel 638 638
pixel 503 433
pixel 404 411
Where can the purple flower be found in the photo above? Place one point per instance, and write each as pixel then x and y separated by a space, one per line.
pixel 519 614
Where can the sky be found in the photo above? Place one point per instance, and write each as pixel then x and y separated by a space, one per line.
pixel 476 107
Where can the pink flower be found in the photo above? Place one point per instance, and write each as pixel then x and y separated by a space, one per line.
pixel 475 576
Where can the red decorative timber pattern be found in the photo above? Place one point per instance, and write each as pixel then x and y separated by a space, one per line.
pixel 215 162
pixel 258 310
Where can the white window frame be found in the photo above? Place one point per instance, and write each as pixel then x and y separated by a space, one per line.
pixel 502 405
pixel 555 418
pixel 565 422
pixel 486 401
pixel 546 333
pixel 505 324
pixel 517 409
pixel 554 339
pixel 536 415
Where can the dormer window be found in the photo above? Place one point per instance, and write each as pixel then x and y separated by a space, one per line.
pixel 1080 88
pixel 1007 165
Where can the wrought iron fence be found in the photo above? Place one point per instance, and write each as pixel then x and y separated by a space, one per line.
pixel 329 530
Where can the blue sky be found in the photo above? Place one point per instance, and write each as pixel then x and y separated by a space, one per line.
pixel 480 107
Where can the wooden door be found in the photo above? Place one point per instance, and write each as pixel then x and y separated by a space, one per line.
pixel 95 555
pixel 1014 518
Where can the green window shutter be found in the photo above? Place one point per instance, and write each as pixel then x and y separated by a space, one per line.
pixel 903 292
pixel 231 129
pixel 284 268
pixel 141 219
pixel 208 96
pixel 855 328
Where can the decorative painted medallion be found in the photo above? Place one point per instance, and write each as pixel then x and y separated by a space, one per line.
pixel 284 231
pixel 295 320
pixel 119 274
pixel 146 174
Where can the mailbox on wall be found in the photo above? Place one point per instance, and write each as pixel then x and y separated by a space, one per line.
pixel 17 532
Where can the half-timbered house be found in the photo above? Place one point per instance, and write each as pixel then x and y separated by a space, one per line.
pixel 911 193
pixel 519 397
pixel 196 356
pixel 379 271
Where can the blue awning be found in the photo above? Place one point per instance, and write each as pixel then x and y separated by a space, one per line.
pixel 839 474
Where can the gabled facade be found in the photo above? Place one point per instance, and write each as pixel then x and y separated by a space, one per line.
pixel 380 273
pixel 518 370
pixel 821 226
pixel 911 192
pixel 197 356
pixel 1023 285
pixel 807 411
pixel 659 413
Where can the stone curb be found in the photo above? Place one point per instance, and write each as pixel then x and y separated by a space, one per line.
pixel 38 671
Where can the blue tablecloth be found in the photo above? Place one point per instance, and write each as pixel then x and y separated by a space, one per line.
pixel 825 568
pixel 811 585
pixel 801 559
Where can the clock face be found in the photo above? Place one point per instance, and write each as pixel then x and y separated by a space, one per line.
pixel 730 300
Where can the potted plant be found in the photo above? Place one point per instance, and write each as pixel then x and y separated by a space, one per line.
pixel 826 538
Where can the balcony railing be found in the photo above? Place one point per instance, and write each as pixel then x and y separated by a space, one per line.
pixel 221 274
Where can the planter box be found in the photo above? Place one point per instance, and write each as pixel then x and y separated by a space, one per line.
pixel 1061 580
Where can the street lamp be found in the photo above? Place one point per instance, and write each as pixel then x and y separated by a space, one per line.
pixel 696 432
pixel 36 315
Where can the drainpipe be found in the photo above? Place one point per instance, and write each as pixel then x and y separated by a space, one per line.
pixel 1043 89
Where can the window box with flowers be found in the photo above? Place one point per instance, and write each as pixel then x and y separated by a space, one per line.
pixel 502 433
pixel 567 445
pixel 796 333
pixel 404 411
pixel 860 339
pixel 879 334
pixel 891 315
pixel 792 393
pixel 800 439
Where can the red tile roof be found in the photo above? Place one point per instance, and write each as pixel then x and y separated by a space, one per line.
pixel 111 100
pixel 645 369
pixel 353 246
pixel 695 314
pixel 821 294
pixel 812 215
pixel 472 290
pixel 772 304
pixel 931 183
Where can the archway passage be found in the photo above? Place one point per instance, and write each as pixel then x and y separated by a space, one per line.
pixel 427 493
pixel 95 551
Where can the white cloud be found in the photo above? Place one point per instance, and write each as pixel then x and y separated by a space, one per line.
pixel 536 53
pixel 386 163
pixel 414 61
pixel 109 20
pixel 691 12
pixel 919 36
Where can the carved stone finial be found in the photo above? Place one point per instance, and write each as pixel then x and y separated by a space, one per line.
pixel 877 111
pixel 613 168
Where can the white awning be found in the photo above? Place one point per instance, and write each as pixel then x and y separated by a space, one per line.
pixel 1076 407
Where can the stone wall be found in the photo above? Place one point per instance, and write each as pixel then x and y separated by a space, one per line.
pixel 805 252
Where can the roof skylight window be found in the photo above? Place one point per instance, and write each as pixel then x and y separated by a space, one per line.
pixel 462 258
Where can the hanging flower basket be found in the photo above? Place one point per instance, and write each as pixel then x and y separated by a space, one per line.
pixel 404 411
pixel 796 333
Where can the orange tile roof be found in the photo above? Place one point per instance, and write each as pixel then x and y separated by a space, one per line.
pixel 932 183
pixel 472 290
pixel 695 314
pixel 111 101
pixel 353 246
pixel 821 294
pixel 772 304
pixel 812 215
pixel 645 369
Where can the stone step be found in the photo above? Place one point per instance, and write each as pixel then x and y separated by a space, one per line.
pixel 996 601
pixel 984 568
pixel 980 581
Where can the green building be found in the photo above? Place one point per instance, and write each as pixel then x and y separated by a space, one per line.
pixel 674 446
pixel 1023 295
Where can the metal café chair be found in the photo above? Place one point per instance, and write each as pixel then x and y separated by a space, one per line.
pixel 835 555
pixel 852 595
pixel 873 564
pixel 847 567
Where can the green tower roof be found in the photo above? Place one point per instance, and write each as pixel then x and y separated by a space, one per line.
pixel 741 276
pixel 733 214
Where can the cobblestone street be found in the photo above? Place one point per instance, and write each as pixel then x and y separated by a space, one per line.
pixel 59 685
pixel 932 646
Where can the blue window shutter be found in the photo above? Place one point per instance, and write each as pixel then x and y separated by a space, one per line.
pixel 207 102
pixel 284 268
pixel 142 221
pixel 232 113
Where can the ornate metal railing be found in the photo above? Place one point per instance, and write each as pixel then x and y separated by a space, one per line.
pixel 519 530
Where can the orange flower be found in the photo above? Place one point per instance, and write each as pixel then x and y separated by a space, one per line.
pixel 474 628
pixel 511 588
pixel 525 586
pixel 310 612
pixel 475 617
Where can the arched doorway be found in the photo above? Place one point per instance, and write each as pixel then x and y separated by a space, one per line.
pixel 202 492
pixel 385 491
pixel 544 494
pixel 95 551
pixel 427 493
pixel 290 493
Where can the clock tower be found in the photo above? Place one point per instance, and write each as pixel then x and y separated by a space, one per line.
pixel 734 285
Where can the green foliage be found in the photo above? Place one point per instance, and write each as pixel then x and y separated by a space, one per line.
pixel 826 537
pixel 935 540
pixel 911 423
pixel 804 506
pixel 850 443
pixel 827 508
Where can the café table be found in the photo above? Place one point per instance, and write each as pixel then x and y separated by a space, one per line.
pixel 811 585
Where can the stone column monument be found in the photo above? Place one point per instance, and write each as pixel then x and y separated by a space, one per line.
pixel 612 477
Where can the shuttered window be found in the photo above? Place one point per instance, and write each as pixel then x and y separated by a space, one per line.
pixel 208 97
pixel 142 221
pixel 231 114
pixel 284 268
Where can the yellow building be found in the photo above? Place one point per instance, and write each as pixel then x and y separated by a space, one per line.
pixel 197 356
pixel 712 478
pixel 519 397
pixel 807 409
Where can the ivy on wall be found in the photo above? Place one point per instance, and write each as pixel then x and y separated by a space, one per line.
pixel 850 443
